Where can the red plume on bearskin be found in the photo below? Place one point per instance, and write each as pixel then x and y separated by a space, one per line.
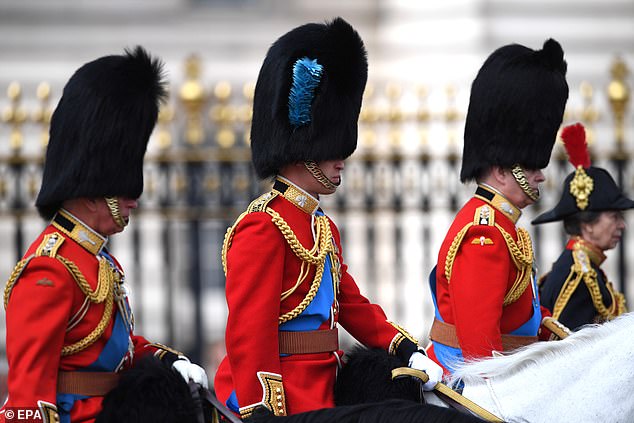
pixel 574 137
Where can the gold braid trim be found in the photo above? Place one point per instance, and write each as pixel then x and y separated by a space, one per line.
pixel 315 256
pixel 105 274
pixel 324 241
pixel 522 256
pixel 323 229
pixel 453 250
pixel 581 270
pixel 96 333
pixel 17 271
pixel 620 300
pixel 103 292
pixel 592 283
pixel 259 204
pixel 96 296
pixel 227 241
pixel 569 286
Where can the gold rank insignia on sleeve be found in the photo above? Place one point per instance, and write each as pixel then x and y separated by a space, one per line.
pixel 482 241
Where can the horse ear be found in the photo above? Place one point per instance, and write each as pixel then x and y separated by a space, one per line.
pixel 367 377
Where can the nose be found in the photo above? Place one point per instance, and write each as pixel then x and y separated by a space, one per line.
pixel 339 164
pixel 539 176
pixel 130 203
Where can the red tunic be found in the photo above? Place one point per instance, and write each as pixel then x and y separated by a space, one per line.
pixel 482 275
pixel 47 311
pixel 260 265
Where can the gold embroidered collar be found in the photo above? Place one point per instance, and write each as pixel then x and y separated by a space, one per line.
pixel 300 198
pixel 496 199
pixel 596 255
pixel 79 232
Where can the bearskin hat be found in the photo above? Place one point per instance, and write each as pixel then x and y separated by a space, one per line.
pixel 308 97
pixel 587 188
pixel 515 109
pixel 100 129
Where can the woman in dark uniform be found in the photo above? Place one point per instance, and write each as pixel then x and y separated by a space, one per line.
pixel 576 290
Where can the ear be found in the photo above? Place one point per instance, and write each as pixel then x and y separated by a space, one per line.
pixel 91 203
pixel 499 174
pixel 585 229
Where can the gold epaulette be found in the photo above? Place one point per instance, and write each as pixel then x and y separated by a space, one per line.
pixel 258 205
pixel 104 292
pixel 48 247
pixel 484 215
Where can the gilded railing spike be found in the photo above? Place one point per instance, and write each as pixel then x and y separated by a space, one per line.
pixel 43 111
pixel 619 95
pixel 193 96
pixel 15 116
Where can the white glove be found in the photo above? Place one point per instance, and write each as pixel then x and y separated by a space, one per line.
pixel 420 361
pixel 190 371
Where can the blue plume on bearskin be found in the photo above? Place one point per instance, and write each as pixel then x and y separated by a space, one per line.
pixel 306 76
pixel 298 117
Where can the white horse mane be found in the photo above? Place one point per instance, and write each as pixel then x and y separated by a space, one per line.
pixel 540 352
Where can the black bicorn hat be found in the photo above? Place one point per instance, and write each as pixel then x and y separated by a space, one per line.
pixel 100 130
pixel 587 188
pixel 515 109
pixel 308 97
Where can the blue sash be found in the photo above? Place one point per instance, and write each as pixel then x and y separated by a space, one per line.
pixel 109 359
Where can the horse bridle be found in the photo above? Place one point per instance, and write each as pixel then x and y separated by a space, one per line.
pixel 448 395
pixel 200 394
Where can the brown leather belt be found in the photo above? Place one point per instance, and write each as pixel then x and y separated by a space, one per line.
pixel 445 333
pixel 91 384
pixel 308 342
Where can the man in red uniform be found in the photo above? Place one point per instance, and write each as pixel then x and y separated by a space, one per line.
pixel 483 285
pixel 287 286
pixel 68 321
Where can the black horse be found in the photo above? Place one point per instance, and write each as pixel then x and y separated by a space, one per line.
pixel 365 393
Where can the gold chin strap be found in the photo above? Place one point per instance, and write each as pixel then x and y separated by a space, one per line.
pixel 520 177
pixel 318 174
pixel 113 205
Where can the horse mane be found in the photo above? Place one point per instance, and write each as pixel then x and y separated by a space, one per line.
pixel 473 371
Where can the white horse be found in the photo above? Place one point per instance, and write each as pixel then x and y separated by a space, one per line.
pixel 587 377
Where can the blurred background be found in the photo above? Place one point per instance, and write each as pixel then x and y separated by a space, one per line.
pixel 401 186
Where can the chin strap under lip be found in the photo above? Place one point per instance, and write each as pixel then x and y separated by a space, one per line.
pixel 318 174
pixel 115 211
pixel 520 177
